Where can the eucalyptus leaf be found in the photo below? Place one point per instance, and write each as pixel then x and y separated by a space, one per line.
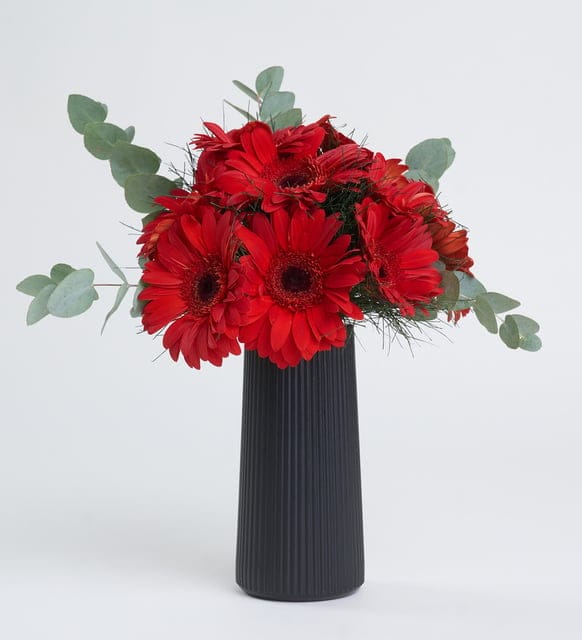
pixel 276 103
pixel 290 118
pixel 128 159
pixel 500 303
pixel 452 288
pixel 419 175
pixel 100 139
pixel 38 307
pixel 434 156
pixel 151 216
pixel 33 285
pixel 509 333
pixel 83 110
pixel 116 270
pixel 123 289
pixel 485 314
pixel 130 133
pixel 141 189
pixel 60 271
pixel 136 310
pixel 244 113
pixel 73 295
pixel 269 80
pixel 469 289
pixel 527 326
pixel 530 343
pixel 246 90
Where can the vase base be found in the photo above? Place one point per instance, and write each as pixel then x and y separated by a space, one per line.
pixel 295 598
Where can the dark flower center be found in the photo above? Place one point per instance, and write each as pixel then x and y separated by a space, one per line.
pixel 387 268
pixel 295 280
pixel 204 285
pixel 293 173
pixel 208 285
pixel 295 180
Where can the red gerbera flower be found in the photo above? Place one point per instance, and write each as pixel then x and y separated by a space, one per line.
pixel 195 289
pixel 179 203
pixel 298 280
pixel 451 245
pixel 412 197
pixel 214 148
pixel 399 255
pixel 386 176
pixel 292 173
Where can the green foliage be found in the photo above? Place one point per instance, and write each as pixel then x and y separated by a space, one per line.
pixel 33 285
pixel 246 90
pixel 141 189
pixel 291 118
pixel 526 325
pixel 519 331
pixel 116 270
pixel 73 295
pixel 60 271
pixel 419 175
pixel 249 117
pixel 485 314
pixel 130 133
pixel 100 139
pixel 429 159
pixel 509 332
pixel 67 292
pixel 83 111
pixel 123 289
pixel 530 342
pixel 500 303
pixel 274 107
pixel 469 289
pixel 136 310
pixel 276 103
pixel 38 307
pixel 452 289
pixel 269 81
pixel 107 141
pixel 128 159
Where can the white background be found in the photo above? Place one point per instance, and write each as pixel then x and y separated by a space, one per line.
pixel 118 476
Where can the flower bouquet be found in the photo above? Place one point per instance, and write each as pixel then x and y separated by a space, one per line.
pixel 281 235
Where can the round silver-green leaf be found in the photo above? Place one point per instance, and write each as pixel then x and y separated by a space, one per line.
pixel 485 314
pixel 530 343
pixel 60 271
pixel 500 303
pixel 83 110
pixel 276 103
pixel 100 139
pixel 509 333
pixel 73 295
pixel 140 191
pixel 434 156
pixel 129 159
pixel 33 285
pixel 527 326
pixel 269 80
pixel 38 307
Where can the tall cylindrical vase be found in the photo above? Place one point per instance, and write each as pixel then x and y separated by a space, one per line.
pixel 300 534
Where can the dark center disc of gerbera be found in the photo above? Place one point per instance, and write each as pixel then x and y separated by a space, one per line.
pixel 296 279
pixel 207 287
pixel 293 180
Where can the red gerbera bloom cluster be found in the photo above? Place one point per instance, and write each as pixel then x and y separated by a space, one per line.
pixel 284 236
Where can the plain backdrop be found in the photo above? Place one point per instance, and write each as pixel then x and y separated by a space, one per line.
pixel 119 475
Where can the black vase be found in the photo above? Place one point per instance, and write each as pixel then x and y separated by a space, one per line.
pixel 300 534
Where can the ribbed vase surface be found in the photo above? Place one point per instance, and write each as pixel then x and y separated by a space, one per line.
pixel 300 531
